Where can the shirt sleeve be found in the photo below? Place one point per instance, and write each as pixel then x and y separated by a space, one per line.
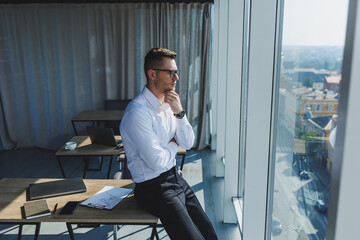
pixel 136 129
pixel 184 134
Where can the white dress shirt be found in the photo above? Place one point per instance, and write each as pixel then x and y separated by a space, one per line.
pixel 146 130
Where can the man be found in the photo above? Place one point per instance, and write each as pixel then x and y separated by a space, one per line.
pixel 153 125
pixel 308 113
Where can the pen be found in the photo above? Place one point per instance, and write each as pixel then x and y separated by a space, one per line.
pixel 55 208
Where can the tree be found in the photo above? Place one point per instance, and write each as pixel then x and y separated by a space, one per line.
pixel 309 134
pixel 311 145
pixel 308 82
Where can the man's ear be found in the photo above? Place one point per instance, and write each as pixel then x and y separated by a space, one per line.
pixel 152 74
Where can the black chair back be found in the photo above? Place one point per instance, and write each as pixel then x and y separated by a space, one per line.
pixel 111 104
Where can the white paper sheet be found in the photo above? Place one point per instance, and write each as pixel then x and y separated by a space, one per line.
pixel 107 198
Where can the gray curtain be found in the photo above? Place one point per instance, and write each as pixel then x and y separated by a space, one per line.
pixel 60 59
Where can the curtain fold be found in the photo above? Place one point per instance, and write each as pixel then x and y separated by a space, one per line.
pixel 60 59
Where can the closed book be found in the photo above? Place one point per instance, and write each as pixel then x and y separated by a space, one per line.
pixel 35 209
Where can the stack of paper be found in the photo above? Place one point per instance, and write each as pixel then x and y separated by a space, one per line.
pixel 107 198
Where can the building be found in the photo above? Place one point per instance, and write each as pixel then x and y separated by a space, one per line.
pixel 322 103
pixel 322 126
pixel 308 76
pixel 332 83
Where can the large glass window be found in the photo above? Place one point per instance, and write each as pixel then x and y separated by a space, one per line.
pixel 313 36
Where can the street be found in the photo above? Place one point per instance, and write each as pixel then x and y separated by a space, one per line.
pixel 294 199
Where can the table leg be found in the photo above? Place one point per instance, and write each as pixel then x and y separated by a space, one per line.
pixel 61 167
pixel 101 162
pixel 115 232
pixel 70 230
pixel 182 162
pixel 73 124
pixel 111 160
pixel 154 233
pixel 37 231
pixel 86 165
pixel 20 231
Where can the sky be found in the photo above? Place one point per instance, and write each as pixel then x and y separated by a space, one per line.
pixel 315 22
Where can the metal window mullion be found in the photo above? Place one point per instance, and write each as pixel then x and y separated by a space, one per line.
pixel 233 106
pixel 344 208
pixel 222 8
pixel 274 116
pixel 258 127
pixel 244 88
pixel 214 74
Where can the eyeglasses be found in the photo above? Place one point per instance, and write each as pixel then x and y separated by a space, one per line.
pixel 171 72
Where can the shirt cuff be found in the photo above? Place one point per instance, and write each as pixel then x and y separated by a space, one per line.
pixel 182 121
pixel 173 147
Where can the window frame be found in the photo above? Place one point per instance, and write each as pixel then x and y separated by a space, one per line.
pixel 265 31
pixel 262 50
pixel 343 205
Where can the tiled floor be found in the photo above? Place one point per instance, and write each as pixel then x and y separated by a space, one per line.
pixel 38 163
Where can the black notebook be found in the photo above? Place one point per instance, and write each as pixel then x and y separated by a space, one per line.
pixel 35 209
pixel 56 188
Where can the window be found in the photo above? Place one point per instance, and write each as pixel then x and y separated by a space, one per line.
pixel 326 109
pixel 318 108
pixel 306 106
pixel 303 159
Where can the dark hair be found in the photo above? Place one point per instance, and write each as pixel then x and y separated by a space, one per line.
pixel 154 58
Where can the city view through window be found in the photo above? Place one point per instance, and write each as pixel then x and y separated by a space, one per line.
pixel 307 101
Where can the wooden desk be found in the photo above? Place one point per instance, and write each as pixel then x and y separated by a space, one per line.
pixel 127 212
pixel 84 149
pixel 97 116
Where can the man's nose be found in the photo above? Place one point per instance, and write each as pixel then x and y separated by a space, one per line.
pixel 176 76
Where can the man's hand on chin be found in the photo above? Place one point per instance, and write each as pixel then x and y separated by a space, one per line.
pixel 173 99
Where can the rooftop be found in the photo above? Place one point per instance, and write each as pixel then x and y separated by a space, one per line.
pixel 322 121
pixel 312 94
pixel 333 79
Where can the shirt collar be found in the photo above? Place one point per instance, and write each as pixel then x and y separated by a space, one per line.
pixel 154 102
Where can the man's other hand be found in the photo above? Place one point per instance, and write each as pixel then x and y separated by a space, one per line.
pixel 174 140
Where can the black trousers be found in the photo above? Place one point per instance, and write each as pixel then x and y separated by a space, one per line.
pixel 170 198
